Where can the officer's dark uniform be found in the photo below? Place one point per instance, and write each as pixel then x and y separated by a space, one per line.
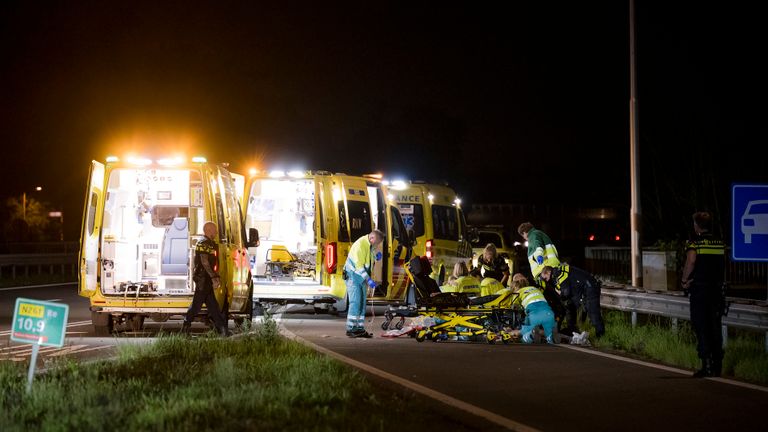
pixel 206 250
pixel 579 287
pixel 707 299
pixel 494 269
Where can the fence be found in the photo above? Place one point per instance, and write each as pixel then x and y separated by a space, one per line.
pixel 34 264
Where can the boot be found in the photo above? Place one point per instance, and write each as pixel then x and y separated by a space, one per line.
pixel 706 369
pixel 186 328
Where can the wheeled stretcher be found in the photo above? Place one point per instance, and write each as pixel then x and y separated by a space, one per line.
pixel 483 318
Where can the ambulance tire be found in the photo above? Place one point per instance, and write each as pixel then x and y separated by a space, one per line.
pixel 103 324
pixel 258 308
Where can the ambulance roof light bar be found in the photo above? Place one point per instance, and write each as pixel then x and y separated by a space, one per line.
pixel 178 160
pixel 111 159
pixel 133 160
pixel 276 173
pixel 199 159
pixel 296 174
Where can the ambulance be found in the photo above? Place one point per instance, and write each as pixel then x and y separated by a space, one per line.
pixel 433 212
pixel 306 222
pixel 141 222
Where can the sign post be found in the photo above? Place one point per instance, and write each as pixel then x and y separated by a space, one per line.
pixel 39 323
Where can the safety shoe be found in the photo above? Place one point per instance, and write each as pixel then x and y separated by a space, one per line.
pixel 363 334
pixel 705 371
pixel 352 333
pixel 549 340
pixel 528 337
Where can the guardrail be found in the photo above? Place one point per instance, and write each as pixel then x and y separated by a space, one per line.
pixel 740 315
pixel 63 263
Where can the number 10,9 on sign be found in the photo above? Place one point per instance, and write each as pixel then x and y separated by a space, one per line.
pixel 30 325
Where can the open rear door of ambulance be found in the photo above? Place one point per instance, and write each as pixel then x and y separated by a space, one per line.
pixel 91 230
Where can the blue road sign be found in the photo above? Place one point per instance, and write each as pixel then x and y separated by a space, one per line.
pixel 749 215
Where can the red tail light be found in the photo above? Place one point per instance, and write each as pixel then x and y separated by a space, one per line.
pixel 429 249
pixel 617 238
pixel 330 257
pixel 592 237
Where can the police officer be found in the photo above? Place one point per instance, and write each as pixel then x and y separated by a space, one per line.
pixel 206 277
pixel 491 265
pixel 577 287
pixel 357 270
pixel 703 276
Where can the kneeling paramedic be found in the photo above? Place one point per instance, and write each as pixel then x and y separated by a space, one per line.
pixel 357 270
pixel 577 287
pixel 537 310
pixel 207 279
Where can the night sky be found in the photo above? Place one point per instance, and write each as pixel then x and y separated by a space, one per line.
pixel 507 101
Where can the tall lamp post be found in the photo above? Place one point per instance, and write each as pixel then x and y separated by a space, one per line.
pixel 24 202
pixel 634 157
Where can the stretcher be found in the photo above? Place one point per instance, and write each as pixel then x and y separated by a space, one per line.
pixel 488 318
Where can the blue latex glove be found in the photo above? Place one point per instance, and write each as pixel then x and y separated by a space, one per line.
pixel 371 283
pixel 378 256
pixel 540 259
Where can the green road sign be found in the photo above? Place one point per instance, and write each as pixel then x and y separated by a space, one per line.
pixel 37 321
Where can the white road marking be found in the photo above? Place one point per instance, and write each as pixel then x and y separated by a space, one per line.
pixel 37 286
pixel 426 391
pixel 54 300
pixel 662 367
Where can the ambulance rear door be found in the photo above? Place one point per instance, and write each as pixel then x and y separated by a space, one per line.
pixel 90 231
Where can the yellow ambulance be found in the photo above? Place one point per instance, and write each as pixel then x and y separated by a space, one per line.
pixel 141 221
pixel 305 222
pixel 433 212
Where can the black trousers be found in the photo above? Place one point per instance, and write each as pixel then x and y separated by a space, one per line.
pixel 587 293
pixel 204 294
pixel 706 319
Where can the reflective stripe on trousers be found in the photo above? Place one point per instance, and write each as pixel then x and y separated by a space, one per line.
pixel 357 291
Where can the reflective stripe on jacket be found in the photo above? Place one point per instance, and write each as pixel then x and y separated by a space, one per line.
pixel 539 244
pixel 529 295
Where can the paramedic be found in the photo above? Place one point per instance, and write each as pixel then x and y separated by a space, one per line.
pixel 357 272
pixel 491 265
pixel 206 277
pixel 541 250
pixel 703 276
pixel 462 282
pixel 537 311
pixel 577 287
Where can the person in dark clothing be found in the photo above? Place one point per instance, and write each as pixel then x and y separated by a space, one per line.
pixel 491 265
pixel 577 287
pixel 207 279
pixel 703 277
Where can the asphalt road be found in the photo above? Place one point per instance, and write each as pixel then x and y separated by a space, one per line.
pixel 548 387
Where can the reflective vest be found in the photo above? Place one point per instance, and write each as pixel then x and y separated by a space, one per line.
pixel 490 286
pixel 468 284
pixel 360 258
pixel 529 295
pixel 709 267
pixel 539 244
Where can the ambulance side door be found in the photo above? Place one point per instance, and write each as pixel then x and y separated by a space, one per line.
pixel 91 231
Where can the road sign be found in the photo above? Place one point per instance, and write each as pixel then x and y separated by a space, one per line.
pixel 39 322
pixel 749 216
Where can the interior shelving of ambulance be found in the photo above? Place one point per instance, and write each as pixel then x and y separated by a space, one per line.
pixel 282 208
pixel 152 216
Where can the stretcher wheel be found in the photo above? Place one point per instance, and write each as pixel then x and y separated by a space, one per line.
pixel 435 336
pixel 385 325
pixel 491 338
pixel 421 335
pixel 400 323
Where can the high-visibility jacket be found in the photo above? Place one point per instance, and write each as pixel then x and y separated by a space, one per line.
pixel 529 295
pixel 490 286
pixel 468 284
pixel 539 244
pixel 709 268
pixel 360 258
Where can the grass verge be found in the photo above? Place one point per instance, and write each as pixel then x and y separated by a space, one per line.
pixel 745 356
pixel 257 382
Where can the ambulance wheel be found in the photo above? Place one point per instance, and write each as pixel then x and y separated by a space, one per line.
pixel 421 336
pixel 385 325
pixel 400 323
pixel 258 308
pixel 103 324
pixel 136 322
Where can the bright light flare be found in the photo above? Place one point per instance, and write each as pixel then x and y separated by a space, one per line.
pixel 111 159
pixel 39 188
pixel 399 185
pixel 178 160
pixel 133 160
pixel 199 159
pixel 276 173
pixel 296 174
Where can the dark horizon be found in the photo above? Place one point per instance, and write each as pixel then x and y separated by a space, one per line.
pixel 507 103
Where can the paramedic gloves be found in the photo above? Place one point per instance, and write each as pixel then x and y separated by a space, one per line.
pixel 540 259
pixel 378 256
pixel 371 283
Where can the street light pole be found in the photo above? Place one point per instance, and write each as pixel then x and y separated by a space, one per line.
pixel 634 156
pixel 24 203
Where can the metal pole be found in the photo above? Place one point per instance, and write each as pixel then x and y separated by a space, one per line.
pixel 634 156
pixel 24 206
pixel 32 364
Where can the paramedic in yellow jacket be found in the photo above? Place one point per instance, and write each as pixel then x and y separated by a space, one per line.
pixel 541 250
pixel 358 275
pixel 537 310
pixel 461 281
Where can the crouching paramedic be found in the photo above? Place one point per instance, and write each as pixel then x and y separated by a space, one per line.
pixel 358 274
pixel 578 287
pixel 206 277
pixel 537 310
